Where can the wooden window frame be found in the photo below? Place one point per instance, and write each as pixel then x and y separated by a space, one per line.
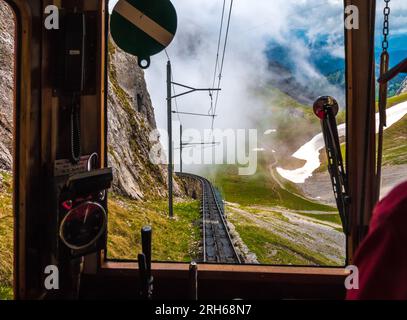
pixel 35 119
pixel 239 274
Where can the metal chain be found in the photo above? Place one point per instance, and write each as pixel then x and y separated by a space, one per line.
pixel 386 26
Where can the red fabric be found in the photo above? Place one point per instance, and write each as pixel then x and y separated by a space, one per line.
pixel 382 256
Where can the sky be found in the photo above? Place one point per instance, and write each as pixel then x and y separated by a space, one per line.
pixel 255 23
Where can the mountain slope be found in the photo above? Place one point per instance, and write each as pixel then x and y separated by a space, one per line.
pixel 326 70
pixel 131 120
pixel 6 85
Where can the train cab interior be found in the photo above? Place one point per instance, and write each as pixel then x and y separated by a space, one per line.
pixel 62 174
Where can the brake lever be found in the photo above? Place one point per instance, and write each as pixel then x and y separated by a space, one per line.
pixel 326 109
pixel 145 264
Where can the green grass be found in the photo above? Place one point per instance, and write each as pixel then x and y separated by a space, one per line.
pixel 396 100
pixel 173 239
pixel 290 118
pixel 283 100
pixel 6 293
pixel 395 138
pixel 260 189
pixel 395 144
pixel 6 236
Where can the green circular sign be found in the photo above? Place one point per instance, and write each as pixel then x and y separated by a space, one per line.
pixel 143 27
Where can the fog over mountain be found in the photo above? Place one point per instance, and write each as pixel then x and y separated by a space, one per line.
pixel 269 42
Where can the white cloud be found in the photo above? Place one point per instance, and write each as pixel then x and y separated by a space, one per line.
pixel 254 24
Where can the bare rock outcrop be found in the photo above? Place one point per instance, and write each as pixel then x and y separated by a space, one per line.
pixel 7 29
pixel 131 121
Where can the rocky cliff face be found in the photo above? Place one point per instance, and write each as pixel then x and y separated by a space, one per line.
pixel 130 119
pixel 6 85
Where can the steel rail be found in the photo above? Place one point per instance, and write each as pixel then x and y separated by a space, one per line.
pixel 222 216
pixel 209 198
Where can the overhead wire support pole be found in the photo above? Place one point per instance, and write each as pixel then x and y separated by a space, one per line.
pixel 170 84
pixel 180 147
pixel 169 128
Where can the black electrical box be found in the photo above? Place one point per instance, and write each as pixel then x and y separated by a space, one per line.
pixel 74 53
pixel 75 57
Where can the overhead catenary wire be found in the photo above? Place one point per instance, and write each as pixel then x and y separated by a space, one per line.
pixel 223 60
pixel 212 111
pixel 217 54
pixel 201 146
pixel 174 96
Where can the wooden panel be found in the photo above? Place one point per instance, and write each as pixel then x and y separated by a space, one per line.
pixel 40 133
pixel 27 160
pixel 120 280
pixel 361 120
pixel 38 120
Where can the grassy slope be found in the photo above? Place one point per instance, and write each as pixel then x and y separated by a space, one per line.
pixel 6 237
pixel 395 138
pixel 335 218
pixel 290 118
pixel 260 189
pixel 173 240
pixel 395 144
pixel 396 100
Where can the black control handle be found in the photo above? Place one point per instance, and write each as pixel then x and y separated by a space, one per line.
pixel 193 281
pixel 146 238
pixel 144 260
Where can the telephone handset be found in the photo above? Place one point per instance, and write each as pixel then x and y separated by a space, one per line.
pixel 73 80
pixel 76 149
